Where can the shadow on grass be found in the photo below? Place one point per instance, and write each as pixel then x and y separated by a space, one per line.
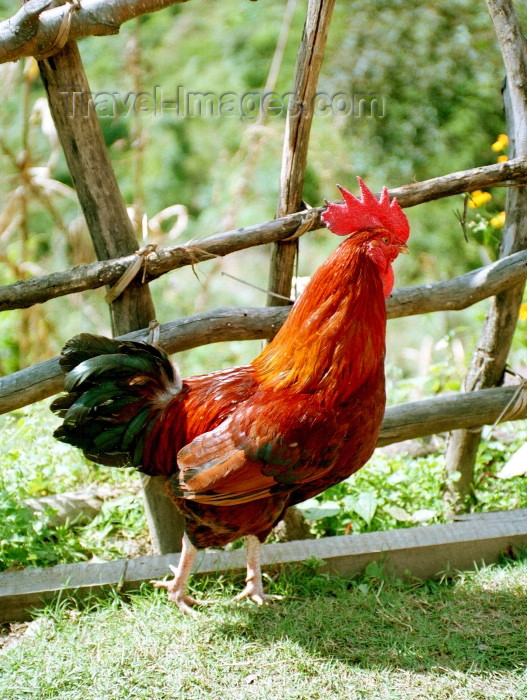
pixel 472 623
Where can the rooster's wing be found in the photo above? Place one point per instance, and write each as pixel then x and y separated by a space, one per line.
pixel 270 445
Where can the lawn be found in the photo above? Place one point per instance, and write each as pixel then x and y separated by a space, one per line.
pixel 374 637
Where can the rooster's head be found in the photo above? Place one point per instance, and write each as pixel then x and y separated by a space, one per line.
pixel 379 226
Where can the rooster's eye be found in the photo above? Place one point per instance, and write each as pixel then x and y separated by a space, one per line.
pixel 385 240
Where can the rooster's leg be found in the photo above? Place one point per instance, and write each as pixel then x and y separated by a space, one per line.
pixel 177 588
pixel 254 588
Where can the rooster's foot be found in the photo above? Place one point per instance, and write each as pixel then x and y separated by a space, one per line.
pixel 177 593
pixel 256 594
pixel 184 602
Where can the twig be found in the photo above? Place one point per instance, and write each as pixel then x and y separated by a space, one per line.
pixel 254 286
pixel 257 135
pixel 462 218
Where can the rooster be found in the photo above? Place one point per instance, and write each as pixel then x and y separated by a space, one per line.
pixel 239 446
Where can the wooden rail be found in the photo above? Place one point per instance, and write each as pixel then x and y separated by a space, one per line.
pixel 231 323
pixel 94 275
pixel 34 29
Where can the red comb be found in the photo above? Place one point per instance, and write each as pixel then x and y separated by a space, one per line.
pixel 366 213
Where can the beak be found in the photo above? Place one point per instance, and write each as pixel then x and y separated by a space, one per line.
pixel 403 249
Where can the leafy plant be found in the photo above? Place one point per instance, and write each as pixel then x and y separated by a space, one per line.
pixel 34 464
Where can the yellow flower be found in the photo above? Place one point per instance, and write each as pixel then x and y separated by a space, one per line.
pixel 477 198
pixel 498 220
pixel 502 159
pixel 500 143
pixel 523 312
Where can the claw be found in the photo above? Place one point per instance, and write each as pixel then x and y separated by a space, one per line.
pixel 184 602
pixel 256 594
pixel 177 587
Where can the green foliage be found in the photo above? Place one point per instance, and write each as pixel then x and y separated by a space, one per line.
pixel 442 101
pixel 387 493
pixel 402 491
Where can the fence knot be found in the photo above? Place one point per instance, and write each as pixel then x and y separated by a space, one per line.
pixel 63 33
pixel 131 271
pixel 153 332
pixel 307 224
pixel 514 407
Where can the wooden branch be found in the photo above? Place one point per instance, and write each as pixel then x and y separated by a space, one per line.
pixel 450 295
pixel 513 171
pixel 296 140
pixel 444 413
pixel 490 356
pixel 33 30
pixel 224 323
pixel 459 292
pixel 94 275
pixel 422 552
pixel 38 290
pixel 230 323
pixel 402 422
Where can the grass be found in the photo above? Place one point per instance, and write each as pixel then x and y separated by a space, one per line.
pixel 373 637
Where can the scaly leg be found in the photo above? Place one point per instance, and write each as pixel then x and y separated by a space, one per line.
pixel 177 588
pixel 254 588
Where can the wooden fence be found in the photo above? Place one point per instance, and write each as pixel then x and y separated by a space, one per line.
pixel 50 34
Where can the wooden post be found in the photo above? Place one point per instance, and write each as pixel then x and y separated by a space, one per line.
pixel 490 356
pixel 110 228
pixel 296 141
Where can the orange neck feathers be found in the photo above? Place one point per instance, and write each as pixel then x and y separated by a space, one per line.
pixel 333 339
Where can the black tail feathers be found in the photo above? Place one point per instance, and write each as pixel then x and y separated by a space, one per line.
pixel 115 390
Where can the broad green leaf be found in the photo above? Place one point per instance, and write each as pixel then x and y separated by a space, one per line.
pixel 364 505
pixel 313 510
